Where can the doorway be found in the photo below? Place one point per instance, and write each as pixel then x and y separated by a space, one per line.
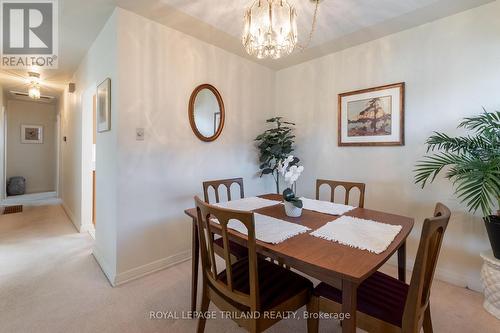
pixel 31 146
pixel 94 131
pixel 89 160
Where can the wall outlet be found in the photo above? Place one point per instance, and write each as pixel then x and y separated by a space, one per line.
pixel 139 134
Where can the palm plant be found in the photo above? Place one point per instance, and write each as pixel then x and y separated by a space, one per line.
pixel 472 162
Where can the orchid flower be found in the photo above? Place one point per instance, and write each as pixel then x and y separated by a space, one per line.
pixel 283 165
pixel 293 174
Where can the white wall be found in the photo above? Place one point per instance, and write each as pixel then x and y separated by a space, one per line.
pixel 451 68
pixel 143 187
pixel 3 108
pixel 157 178
pixel 99 64
pixel 35 162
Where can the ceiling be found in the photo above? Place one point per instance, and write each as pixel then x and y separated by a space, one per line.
pixel 79 24
pixel 341 24
pixel 336 17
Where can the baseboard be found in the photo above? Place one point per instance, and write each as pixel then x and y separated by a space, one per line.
pixel 105 267
pixel 448 276
pixel 91 231
pixel 35 199
pixel 459 280
pixel 71 216
pixel 152 267
pixel 88 228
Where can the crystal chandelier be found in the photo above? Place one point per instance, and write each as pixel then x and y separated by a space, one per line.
pixel 270 29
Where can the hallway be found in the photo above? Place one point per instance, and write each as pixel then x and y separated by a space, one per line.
pixel 50 282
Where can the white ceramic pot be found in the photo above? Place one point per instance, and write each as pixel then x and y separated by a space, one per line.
pixel 291 210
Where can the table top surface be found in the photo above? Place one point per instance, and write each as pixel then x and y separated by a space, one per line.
pixel 315 255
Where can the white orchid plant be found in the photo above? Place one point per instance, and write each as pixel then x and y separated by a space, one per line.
pixel 289 169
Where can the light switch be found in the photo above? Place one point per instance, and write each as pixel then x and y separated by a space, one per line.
pixel 139 134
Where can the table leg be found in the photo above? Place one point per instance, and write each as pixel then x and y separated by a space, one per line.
pixel 402 262
pixel 349 306
pixel 195 248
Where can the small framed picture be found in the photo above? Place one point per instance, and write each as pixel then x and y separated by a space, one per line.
pixel 103 108
pixel 372 117
pixel 31 134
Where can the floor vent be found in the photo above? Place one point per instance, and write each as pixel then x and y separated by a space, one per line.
pixel 13 209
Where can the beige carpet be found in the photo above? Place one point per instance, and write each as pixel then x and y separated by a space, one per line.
pixel 49 282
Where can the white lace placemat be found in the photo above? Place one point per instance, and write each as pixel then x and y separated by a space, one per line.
pixel 269 229
pixel 247 204
pixel 326 207
pixel 362 234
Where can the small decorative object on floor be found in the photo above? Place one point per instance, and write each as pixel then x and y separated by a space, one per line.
pixel 16 186
pixel 291 171
pixel 490 276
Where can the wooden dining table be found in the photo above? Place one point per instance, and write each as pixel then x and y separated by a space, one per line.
pixel 338 265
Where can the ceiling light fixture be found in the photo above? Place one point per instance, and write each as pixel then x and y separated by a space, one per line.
pixel 34 85
pixel 34 92
pixel 271 28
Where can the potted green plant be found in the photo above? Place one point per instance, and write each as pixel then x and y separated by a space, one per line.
pixel 473 164
pixel 275 145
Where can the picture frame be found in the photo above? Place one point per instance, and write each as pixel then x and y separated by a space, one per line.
pixel 103 106
pixel 216 121
pixel 372 117
pixel 32 134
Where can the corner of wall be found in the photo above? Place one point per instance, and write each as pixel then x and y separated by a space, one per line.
pixel 106 267
pixel 71 216
pixel 98 64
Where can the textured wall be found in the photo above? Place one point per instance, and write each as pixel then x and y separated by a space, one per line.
pixel 451 68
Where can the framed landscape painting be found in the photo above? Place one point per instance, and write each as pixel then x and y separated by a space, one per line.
pixel 372 117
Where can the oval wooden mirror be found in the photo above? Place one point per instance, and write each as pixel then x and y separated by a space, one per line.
pixel 206 112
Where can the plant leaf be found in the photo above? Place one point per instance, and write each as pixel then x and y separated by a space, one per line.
pixel 473 162
pixel 288 194
pixel 267 171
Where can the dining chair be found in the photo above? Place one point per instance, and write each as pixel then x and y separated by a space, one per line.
pixel 348 186
pixel 216 184
pixel 236 249
pixel 386 304
pixel 250 285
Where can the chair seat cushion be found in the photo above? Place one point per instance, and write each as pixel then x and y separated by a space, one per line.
pixel 276 284
pixel 239 251
pixel 380 296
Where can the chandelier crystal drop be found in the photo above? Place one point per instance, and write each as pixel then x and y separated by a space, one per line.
pixel 270 29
